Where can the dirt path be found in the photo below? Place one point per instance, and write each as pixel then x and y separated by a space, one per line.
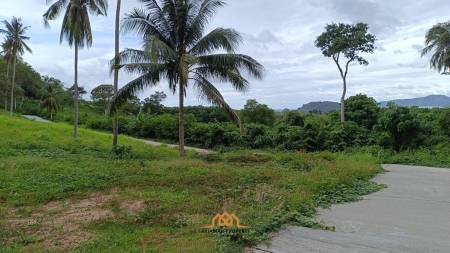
pixel 152 143
pixel 157 144
pixel 36 118
pixel 412 215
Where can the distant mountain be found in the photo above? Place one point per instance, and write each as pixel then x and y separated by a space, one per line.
pixel 429 101
pixel 325 106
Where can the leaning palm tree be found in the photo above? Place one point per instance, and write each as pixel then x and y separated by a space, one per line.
pixel 16 47
pixel 76 29
pixel 175 49
pixel 437 41
pixel 49 101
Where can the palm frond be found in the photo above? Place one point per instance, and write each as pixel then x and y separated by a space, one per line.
pixel 54 10
pixel 437 42
pixel 197 26
pixel 150 78
pixel 219 38
pixel 210 93
pixel 143 23
pixel 233 62
pixel 76 26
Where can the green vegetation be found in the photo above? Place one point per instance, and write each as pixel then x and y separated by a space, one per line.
pixel 395 130
pixel 147 199
pixel 76 29
pixel 14 47
pixel 83 194
pixel 346 44
pixel 176 48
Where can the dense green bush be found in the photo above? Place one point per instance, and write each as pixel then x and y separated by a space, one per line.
pixel 293 118
pixel 347 134
pixel 256 113
pixel 362 110
pixel 100 123
pixel 397 128
pixel 402 125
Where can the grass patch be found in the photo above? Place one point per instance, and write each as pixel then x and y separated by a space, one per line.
pixel 436 156
pixel 45 174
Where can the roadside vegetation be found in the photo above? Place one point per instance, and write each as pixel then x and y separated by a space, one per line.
pixel 394 134
pixel 64 188
pixel 61 194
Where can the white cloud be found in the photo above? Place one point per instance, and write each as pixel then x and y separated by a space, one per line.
pixel 281 35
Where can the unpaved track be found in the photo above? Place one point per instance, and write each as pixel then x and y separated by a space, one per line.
pixel 36 118
pixel 152 143
pixel 412 215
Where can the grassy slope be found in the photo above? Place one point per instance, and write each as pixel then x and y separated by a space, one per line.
pixel 40 163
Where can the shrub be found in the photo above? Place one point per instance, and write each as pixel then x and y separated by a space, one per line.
pixel 293 118
pixel 347 134
pixel 257 113
pixel 362 110
pixel 122 152
pixel 102 123
pixel 402 126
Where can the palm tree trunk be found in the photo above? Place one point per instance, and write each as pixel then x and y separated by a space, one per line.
pixel 181 120
pixel 51 115
pixel 7 85
pixel 343 99
pixel 12 85
pixel 116 72
pixel 75 96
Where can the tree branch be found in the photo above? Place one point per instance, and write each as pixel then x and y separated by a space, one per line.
pixel 336 60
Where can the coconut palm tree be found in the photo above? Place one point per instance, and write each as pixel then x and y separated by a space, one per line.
pixel 76 29
pixel 7 56
pixel 49 100
pixel 437 41
pixel 176 49
pixel 16 47
pixel 116 70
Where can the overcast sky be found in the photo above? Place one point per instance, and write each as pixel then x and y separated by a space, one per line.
pixel 280 34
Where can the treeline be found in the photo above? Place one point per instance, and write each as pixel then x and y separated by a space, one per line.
pixel 397 128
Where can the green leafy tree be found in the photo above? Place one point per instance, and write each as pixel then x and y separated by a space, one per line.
pixel 437 41
pixel 362 110
pixel 294 118
pixel 402 126
pixel 103 95
pixel 257 113
pixel 176 49
pixel 345 44
pixel 76 29
pixel 50 101
pixel 444 122
pixel 15 46
pixel 152 105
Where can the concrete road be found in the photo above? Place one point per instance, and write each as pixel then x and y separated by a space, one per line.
pixel 412 215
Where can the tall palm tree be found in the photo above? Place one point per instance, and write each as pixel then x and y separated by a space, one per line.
pixel 437 41
pixel 7 56
pixel 15 42
pixel 49 100
pixel 76 29
pixel 176 49
pixel 116 71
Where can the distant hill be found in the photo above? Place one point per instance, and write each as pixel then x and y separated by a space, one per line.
pixel 325 106
pixel 428 101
